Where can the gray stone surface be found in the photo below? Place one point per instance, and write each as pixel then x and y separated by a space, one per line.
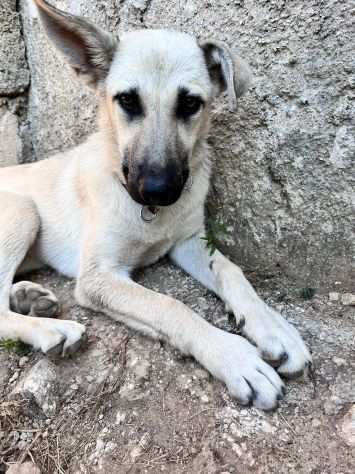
pixel 41 382
pixel 347 429
pixel 14 82
pixel 284 163
pixel 14 74
pixel 10 141
pixel 24 468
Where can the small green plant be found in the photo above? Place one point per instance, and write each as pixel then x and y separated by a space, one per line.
pixel 215 231
pixel 16 346
pixel 307 293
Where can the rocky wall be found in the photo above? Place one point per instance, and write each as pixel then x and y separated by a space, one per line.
pixel 14 82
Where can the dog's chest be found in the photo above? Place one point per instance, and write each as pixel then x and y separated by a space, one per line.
pixel 143 243
pixel 139 243
pixel 142 253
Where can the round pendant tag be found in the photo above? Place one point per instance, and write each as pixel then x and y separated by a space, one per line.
pixel 149 213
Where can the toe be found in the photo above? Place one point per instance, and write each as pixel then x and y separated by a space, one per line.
pixel 20 302
pixel 34 294
pixel 45 307
pixel 265 394
pixel 69 349
pixel 273 352
pixel 241 390
pixel 56 350
pixel 53 345
pixel 292 369
pixel 297 361
pixel 74 335
pixel 273 377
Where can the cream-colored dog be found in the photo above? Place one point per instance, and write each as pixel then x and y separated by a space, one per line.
pixel 133 192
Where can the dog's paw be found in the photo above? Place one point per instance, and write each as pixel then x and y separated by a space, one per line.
pixel 59 337
pixel 32 299
pixel 279 343
pixel 237 363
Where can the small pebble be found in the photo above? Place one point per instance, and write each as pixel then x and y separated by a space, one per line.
pixel 120 417
pixel 110 447
pixel 348 299
pixel 146 441
pixel 141 370
pixel 347 427
pixel 339 361
pixel 14 377
pixel 316 423
pixel 21 445
pixel 333 296
pixel 202 374
pixel 23 361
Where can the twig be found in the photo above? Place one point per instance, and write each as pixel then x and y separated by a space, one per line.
pixel 198 413
pixel 288 424
pixel 27 450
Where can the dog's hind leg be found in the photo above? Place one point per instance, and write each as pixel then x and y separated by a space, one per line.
pixel 19 225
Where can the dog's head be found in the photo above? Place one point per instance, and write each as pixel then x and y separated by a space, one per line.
pixel 157 87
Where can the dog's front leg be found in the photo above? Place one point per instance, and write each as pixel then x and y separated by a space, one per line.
pixel 278 341
pixel 228 357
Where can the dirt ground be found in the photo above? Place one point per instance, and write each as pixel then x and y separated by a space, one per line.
pixel 127 404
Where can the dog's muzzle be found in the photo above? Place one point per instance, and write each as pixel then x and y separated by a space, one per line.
pixel 157 186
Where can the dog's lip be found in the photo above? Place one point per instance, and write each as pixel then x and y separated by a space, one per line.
pixel 143 202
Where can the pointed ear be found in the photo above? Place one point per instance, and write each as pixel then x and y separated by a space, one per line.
pixel 228 73
pixel 87 48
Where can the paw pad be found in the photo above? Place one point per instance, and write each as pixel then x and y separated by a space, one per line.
pixel 32 299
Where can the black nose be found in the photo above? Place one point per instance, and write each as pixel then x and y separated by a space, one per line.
pixel 160 189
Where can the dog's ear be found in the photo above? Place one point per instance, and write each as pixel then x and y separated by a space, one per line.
pixel 227 72
pixel 88 49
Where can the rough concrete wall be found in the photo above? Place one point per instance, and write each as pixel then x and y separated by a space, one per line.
pixel 284 163
pixel 14 81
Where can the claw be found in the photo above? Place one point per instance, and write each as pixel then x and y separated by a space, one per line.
pixel 240 323
pixel 72 348
pixel 56 350
pixel 293 375
pixel 253 392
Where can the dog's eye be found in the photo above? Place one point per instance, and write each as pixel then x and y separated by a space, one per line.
pixel 188 105
pixel 191 104
pixel 130 103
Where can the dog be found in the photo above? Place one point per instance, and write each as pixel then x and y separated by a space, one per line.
pixel 132 193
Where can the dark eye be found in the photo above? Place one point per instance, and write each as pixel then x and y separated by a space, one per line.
pixel 130 103
pixel 192 104
pixel 188 105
